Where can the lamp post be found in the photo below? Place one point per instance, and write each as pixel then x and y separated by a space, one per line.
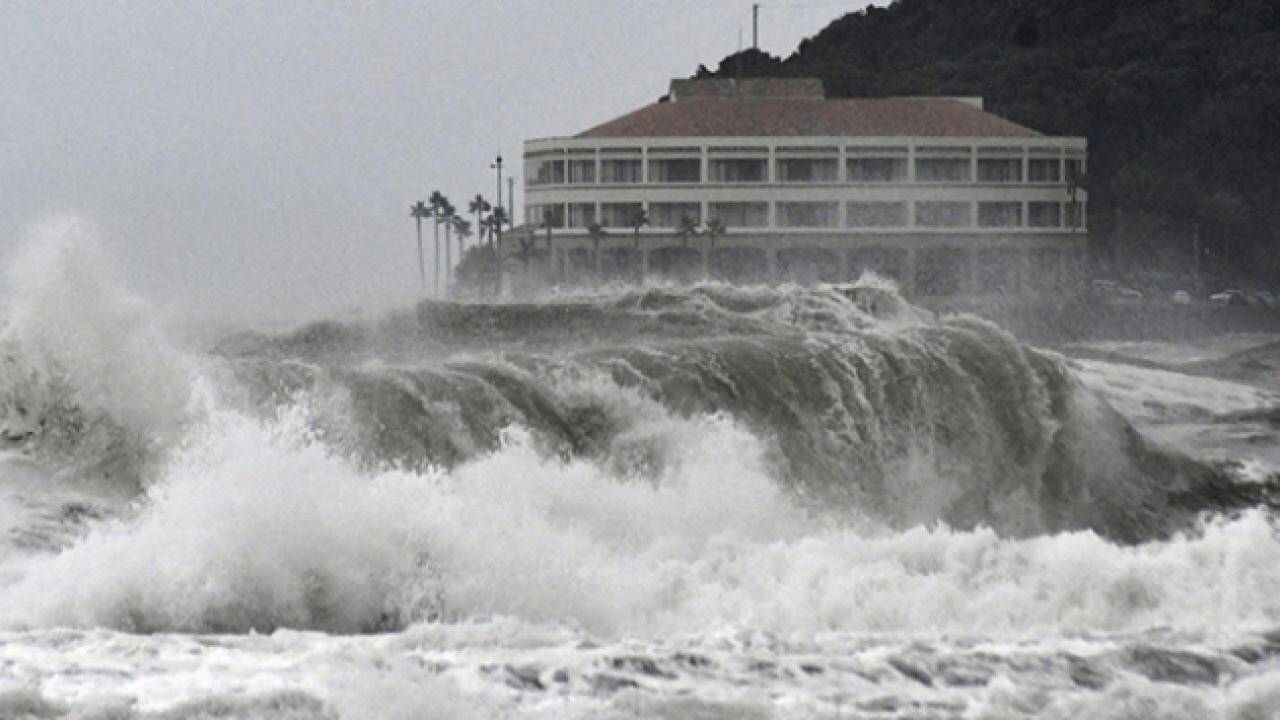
pixel 497 165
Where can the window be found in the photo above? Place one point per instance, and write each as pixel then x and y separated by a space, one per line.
pixel 943 170
pixel 999 170
pixel 1044 214
pixel 808 170
pixel 619 171
pixel 537 214
pixel 1044 170
pixel 741 214
pixel 619 215
pixel 668 215
pixel 1000 214
pixel 545 172
pixel 943 214
pixel 1075 170
pixel 808 214
pixel 877 169
pixel 684 170
pixel 876 214
pixel 582 172
pixel 581 215
pixel 1075 215
pixel 740 171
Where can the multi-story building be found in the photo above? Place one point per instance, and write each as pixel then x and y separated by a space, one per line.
pixel 935 192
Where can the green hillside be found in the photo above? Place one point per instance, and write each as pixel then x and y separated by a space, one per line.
pixel 1180 101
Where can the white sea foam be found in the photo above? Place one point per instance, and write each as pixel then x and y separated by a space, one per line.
pixel 519 563
pixel 1163 395
pixel 72 319
pixel 255 526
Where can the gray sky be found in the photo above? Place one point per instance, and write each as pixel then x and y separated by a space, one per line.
pixel 245 158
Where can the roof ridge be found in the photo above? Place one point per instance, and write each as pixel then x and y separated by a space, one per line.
pixel 764 116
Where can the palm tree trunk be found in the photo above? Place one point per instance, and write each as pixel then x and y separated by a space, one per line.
pixel 435 278
pixel 422 264
pixel 448 257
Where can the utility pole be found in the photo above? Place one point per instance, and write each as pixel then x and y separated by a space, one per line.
pixel 755 26
pixel 511 195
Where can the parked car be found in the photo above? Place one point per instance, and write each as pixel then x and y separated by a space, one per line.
pixel 1181 297
pixel 1113 290
pixel 1267 299
pixel 1229 297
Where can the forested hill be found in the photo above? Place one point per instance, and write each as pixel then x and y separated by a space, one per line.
pixel 1180 101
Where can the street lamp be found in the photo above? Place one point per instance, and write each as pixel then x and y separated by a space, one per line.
pixel 497 165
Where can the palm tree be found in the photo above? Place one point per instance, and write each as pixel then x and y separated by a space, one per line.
pixel 598 234
pixel 461 228
pixel 450 212
pixel 687 228
pixel 419 211
pixel 715 229
pixel 497 219
pixel 494 224
pixel 640 219
pixel 478 206
pixel 437 202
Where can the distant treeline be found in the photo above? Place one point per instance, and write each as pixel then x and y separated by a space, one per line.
pixel 1180 101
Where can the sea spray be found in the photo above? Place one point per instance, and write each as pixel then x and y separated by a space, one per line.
pixel 85 374
pixel 675 502
pixel 259 528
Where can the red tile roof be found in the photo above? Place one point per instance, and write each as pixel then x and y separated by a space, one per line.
pixel 708 116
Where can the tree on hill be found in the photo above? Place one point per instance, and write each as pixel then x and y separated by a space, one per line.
pixel 1182 93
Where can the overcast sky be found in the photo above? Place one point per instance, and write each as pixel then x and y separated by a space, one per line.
pixel 261 157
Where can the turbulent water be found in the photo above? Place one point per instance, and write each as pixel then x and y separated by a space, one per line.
pixel 706 502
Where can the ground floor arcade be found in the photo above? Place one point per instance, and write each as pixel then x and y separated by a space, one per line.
pixel 924 265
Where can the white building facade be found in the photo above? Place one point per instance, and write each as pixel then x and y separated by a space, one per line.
pixel 945 198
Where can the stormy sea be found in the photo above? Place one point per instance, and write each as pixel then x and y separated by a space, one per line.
pixel 698 502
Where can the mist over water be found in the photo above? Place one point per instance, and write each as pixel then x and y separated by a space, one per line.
pixel 672 502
